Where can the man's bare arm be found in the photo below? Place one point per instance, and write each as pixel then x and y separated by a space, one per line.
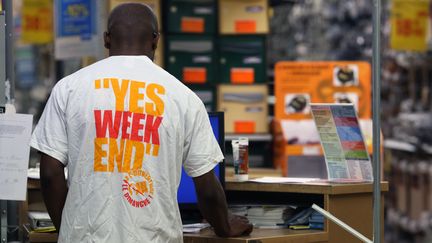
pixel 213 206
pixel 54 187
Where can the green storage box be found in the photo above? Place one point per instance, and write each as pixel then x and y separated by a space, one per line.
pixel 242 59
pixel 191 16
pixel 191 59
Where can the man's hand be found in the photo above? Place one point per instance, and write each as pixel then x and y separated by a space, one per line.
pixel 213 206
pixel 239 226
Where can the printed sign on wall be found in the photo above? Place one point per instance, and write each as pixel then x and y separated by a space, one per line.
pixel 75 29
pixel 37 21
pixel 409 25
pixel 297 84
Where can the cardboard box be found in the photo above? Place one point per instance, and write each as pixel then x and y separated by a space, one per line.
pixel 243 17
pixel 191 59
pixel 191 16
pixel 242 59
pixel 153 4
pixel 245 107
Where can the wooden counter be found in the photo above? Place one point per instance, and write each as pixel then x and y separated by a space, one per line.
pixel 38 237
pixel 253 173
pixel 262 236
pixel 310 188
pixel 351 203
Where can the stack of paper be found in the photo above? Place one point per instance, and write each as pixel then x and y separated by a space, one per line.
pixel 240 210
pixel 300 220
pixel 264 215
pixel 40 222
pixel 283 180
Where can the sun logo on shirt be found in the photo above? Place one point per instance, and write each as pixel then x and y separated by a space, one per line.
pixel 138 188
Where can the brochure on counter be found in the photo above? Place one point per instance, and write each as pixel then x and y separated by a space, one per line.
pixel 346 156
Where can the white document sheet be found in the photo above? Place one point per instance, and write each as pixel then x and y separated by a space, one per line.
pixel 283 180
pixel 194 228
pixel 15 133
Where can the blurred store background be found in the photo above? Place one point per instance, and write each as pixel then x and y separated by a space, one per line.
pixel 223 59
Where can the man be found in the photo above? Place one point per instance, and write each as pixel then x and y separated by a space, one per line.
pixel 124 128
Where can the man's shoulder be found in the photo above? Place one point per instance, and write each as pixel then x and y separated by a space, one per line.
pixel 176 85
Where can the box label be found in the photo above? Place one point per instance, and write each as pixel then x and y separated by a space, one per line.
pixel 245 26
pixel 244 127
pixel 242 75
pixel 194 75
pixel 192 25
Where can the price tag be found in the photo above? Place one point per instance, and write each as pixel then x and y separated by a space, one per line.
pixel 245 26
pixel 194 75
pixel 193 25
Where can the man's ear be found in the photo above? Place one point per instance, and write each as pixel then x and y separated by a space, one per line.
pixel 107 40
pixel 156 36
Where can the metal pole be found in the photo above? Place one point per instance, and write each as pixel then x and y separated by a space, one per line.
pixel 10 74
pixel 2 60
pixel 376 100
pixel 7 6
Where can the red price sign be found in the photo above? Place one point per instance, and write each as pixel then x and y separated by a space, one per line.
pixel 37 25
pixel 39 22
pixel 410 22
pixel 410 27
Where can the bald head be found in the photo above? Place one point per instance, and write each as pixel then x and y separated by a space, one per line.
pixel 132 30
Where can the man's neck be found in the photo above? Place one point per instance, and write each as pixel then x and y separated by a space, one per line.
pixel 130 52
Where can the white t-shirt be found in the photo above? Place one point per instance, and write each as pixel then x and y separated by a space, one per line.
pixel 124 127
